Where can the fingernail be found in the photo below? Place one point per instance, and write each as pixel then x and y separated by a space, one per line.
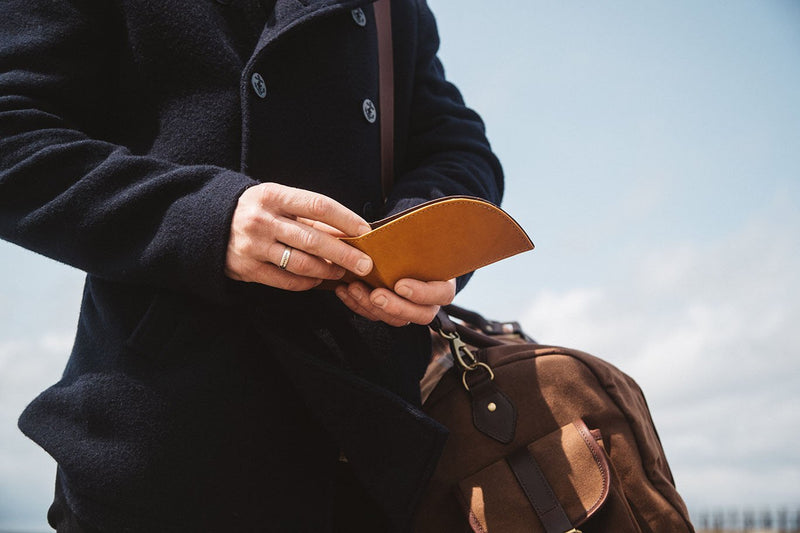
pixel 339 273
pixel 364 228
pixel 404 291
pixel 364 266
pixel 356 293
pixel 380 300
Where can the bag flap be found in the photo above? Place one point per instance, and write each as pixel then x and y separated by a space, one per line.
pixel 437 241
pixel 577 476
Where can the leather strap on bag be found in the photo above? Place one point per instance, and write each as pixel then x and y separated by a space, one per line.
pixel 539 493
pixel 383 22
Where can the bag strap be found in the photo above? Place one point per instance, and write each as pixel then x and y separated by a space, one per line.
pixel 475 330
pixel 539 492
pixel 493 328
pixel 383 22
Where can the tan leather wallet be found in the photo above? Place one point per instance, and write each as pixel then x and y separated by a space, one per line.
pixel 436 241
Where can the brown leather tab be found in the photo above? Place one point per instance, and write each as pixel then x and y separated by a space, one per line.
pixel 493 413
pixel 383 21
pixel 539 493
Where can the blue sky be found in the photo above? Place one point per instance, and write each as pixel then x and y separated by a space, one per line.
pixel 652 151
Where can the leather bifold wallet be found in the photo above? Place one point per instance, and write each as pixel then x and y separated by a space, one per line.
pixel 437 241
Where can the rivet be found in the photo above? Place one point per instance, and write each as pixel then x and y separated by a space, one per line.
pixel 492 407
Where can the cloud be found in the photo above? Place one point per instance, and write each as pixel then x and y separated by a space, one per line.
pixel 709 330
pixel 26 472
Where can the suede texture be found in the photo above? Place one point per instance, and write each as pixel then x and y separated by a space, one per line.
pixel 552 387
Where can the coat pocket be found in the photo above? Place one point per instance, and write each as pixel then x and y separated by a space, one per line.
pixel 173 328
pixel 156 323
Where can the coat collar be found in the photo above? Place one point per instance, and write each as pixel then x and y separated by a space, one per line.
pixel 288 15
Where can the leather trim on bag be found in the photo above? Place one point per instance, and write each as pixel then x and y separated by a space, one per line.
pixel 538 491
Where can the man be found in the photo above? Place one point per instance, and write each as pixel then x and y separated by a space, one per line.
pixel 197 159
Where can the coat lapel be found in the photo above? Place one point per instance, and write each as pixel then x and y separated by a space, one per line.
pixel 288 15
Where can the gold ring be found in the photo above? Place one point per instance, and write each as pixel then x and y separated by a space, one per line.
pixel 287 253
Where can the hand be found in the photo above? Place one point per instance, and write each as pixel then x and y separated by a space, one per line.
pixel 271 217
pixel 412 301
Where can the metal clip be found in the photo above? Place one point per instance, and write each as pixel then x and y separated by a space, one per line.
pixel 461 352
pixel 491 377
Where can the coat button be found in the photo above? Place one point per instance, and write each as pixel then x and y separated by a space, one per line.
pixel 359 17
pixel 370 113
pixel 258 85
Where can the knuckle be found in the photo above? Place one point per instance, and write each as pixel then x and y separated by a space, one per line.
pixel 347 256
pixel 294 284
pixel 249 271
pixel 272 193
pixel 247 246
pixel 254 220
pixel 249 224
pixel 318 207
pixel 428 317
pixel 301 263
pixel 393 309
pixel 424 315
pixel 308 240
pixel 232 270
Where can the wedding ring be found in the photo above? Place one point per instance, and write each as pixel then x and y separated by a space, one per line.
pixel 287 253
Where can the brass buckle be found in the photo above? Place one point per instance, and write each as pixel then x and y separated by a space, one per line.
pixel 465 358
pixel 461 352
pixel 491 377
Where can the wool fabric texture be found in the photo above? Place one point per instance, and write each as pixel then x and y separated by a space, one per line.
pixel 128 131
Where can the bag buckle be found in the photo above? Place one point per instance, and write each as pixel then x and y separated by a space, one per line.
pixel 464 356
pixel 491 378
pixel 461 352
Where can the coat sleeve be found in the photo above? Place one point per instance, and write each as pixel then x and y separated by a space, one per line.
pixel 446 150
pixel 89 203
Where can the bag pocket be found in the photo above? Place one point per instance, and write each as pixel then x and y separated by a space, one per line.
pixel 553 485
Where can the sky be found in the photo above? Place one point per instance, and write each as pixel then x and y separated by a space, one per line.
pixel 652 152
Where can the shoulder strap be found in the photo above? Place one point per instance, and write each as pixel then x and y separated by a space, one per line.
pixel 383 21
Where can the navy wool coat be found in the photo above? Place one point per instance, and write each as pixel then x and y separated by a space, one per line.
pixel 128 130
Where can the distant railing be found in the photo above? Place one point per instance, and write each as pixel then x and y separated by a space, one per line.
pixel 783 520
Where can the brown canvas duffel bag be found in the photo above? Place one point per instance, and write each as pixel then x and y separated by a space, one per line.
pixel 543 439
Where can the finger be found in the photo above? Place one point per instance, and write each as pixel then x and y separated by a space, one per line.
pixel 360 293
pixel 350 301
pixel 315 242
pixel 426 293
pixel 303 264
pixel 396 310
pixel 314 206
pixel 330 230
pixel 269 274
